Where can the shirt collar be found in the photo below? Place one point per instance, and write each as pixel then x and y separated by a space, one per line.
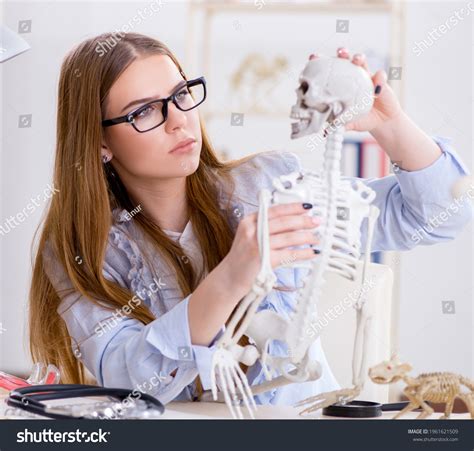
pixel 121 215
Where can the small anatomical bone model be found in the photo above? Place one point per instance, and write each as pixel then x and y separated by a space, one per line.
pixel 332 92
pixel 433 387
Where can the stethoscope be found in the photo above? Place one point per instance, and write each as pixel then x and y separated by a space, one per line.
pixel 29 399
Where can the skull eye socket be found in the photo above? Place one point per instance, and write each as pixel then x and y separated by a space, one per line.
pixel 304 87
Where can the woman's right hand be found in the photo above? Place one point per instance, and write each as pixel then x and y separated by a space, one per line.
pixel 289 225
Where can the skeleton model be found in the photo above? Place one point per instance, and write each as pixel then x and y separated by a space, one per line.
pixel 434 387
pixel 332 92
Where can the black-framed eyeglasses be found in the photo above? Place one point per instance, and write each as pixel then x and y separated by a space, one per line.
pixel 153 114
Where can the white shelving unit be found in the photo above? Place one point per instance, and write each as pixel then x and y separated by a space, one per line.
pixel 207 11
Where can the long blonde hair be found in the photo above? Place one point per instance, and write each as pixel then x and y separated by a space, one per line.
pixel 73 226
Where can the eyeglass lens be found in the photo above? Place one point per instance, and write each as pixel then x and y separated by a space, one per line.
pixel 152 114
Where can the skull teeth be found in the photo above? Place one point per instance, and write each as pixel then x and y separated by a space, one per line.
pixel 296 115
pixel 297 127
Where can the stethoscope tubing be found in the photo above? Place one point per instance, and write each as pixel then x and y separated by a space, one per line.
pixel 28 398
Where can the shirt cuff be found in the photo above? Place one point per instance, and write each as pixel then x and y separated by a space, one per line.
pixel 436 180
pixel 203 356
pixel 170 334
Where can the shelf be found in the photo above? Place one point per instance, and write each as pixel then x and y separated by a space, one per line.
pixel 213 7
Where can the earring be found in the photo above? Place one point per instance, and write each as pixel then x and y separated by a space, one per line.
pixel 106 158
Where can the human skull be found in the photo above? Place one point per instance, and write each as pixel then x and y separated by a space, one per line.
pixel 330 88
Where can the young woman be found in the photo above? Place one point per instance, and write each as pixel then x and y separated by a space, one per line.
pixel 150 243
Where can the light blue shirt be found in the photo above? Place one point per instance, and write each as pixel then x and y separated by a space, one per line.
pixel 122 352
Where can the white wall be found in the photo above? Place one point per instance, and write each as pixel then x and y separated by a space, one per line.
pixel 439 96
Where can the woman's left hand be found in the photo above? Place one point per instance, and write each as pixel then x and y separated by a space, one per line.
pixel 386 105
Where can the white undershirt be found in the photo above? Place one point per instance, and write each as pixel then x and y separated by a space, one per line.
pixel 190 244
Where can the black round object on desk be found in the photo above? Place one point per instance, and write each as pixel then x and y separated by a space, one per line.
pixel 354 409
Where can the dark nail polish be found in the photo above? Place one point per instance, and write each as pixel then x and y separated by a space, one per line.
pixel 378 88
pixel 307 206
pixel 316 251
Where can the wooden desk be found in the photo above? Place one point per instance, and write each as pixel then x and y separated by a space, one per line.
pixel 213 411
